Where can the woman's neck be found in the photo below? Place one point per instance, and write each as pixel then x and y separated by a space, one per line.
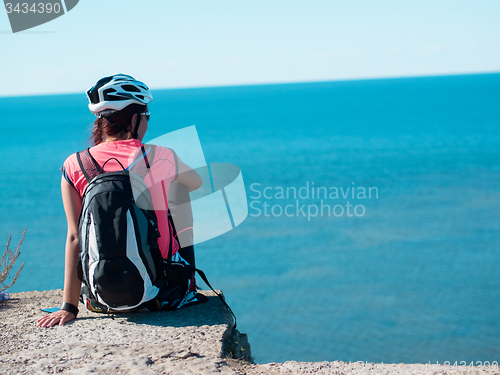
pixel 114 139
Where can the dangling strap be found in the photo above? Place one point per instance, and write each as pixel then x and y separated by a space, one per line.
pixel 204 278
pixel 170 243
pixel 89 167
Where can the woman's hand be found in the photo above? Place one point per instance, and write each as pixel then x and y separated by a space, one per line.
pixel 62 317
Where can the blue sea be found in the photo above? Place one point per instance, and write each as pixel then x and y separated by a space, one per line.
pixel 408 274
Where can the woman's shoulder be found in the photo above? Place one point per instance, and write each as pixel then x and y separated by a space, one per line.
pixel 158 148
pixel 71 161
pixel 161 152
pixel 164 161
pixel 70 169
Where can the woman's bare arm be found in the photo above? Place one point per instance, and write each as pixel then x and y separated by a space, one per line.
pixel 72 206
pixel 188 176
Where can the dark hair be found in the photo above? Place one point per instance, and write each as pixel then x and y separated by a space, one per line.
pixel 119 124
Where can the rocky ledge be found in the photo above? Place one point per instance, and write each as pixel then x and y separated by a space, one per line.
pixel 193 340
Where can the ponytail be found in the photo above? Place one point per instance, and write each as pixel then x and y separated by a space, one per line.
pixel 97 136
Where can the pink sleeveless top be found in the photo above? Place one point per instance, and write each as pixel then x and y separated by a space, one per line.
pixel 161 174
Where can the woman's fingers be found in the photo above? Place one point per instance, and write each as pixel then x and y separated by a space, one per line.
pixel 47 321
pixel 42 321
pixel 62 317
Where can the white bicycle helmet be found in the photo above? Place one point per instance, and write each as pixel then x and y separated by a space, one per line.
pixel 113 93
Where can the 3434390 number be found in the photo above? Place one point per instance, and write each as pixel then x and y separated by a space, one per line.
pixel 34 8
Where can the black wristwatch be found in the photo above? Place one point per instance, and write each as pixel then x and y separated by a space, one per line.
pixel 70 308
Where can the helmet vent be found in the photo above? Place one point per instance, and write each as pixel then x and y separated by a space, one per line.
pixel 106 95
pixel 131 88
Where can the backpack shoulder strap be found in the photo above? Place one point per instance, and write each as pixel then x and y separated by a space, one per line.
pixel 148 156
pixel 88 165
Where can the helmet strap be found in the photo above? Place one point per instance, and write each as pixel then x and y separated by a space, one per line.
pixel 135 134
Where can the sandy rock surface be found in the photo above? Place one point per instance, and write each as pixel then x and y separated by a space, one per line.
pixel 193 340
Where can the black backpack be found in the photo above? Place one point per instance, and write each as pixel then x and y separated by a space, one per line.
pixel 120 263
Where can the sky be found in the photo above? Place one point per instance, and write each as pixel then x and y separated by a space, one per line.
pixel 198 43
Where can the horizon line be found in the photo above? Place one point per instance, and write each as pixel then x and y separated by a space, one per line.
pixel 188 87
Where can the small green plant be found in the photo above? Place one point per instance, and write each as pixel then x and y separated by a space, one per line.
pixel 7 261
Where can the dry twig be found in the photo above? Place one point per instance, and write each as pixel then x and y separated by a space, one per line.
pixel 7 261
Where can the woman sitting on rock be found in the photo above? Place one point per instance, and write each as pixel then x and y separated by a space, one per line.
pixel 120 104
